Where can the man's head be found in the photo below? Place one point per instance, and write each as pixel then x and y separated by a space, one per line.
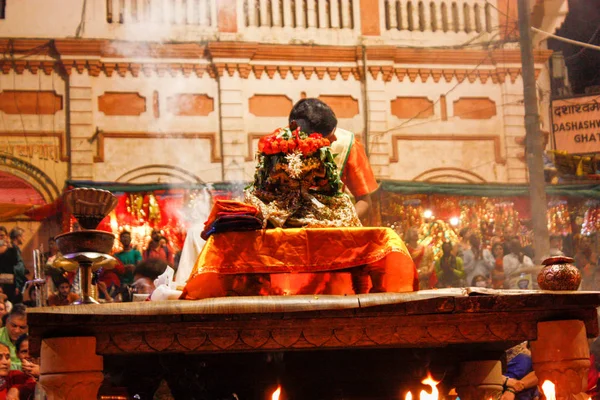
pixel 514 245
pixel 412 235
pixel 447 248
pixel 125 238
pixel 313 116
pixel 4 359
pixel 475 241
pixel 556 242
pixel 52 247
pixel 16 323
pixel 155 235
pixel 3 235
pixel 22 346
pixel 64 287
pixel 146 272
pixel 465 233
pixel 16 236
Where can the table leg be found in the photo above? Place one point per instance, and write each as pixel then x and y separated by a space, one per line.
pixel 561 355
pixel 479 380
pixel 70 368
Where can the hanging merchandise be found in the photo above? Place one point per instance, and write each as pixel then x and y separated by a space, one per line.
pixel 559 219
pixel 411 214
pixel 591 218
pixel 506 219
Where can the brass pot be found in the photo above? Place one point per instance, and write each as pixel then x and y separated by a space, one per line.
pixel 85 241
pixel 559 273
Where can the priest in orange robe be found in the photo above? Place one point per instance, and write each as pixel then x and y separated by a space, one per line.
pixel 314 116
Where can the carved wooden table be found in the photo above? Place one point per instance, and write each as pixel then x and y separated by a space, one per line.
pixel 73 340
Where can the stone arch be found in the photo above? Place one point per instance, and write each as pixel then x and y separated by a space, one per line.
pixel 159 173
pixel 449 174
pixel 32 175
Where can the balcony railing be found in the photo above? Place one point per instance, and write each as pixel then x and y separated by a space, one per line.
pixel 456 20
pixel 321 14
pixel 201 13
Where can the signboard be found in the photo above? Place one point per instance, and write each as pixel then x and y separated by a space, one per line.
pixel 576 124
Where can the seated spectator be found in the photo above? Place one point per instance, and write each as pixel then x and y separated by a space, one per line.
pixel 2 311
pixel 480 281
pixel 16 325
pixel 14 384
pixel 520 379
pixel 518 268
pixel 498 271
pixel 145 274
pixel 64 297
pixel 29 294
pixel 28 366
pixel 477 261
pixel 449 268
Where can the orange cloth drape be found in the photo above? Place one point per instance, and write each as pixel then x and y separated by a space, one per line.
pixel 294 252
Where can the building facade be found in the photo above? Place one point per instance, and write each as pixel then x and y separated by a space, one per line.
pixel 181 90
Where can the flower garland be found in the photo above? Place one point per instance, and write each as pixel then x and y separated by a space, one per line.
pixel 286 141
pixel 289 159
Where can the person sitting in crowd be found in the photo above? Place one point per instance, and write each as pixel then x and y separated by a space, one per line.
pixel 11 267
pixel 156 250
pixel 129 256
pixel 16 325
pixel 423 259
pixel 498 271
pixel 146 272
pixel 520 380
pixel 52 252
pixel 556 245
pixel 465 242
pixel 477 261
pixel 518 268
pixel 449 268
pixel 28 365
pixel 29 294
pixel 64 297
pixel 480 281
pixel 14 384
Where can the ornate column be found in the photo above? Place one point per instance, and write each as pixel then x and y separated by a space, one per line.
pixel 70 369
pixel 479 380
pixel 561 355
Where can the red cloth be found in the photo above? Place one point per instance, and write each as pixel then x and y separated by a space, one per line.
pixel 19 380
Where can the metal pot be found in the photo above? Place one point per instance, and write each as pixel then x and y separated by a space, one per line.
pixel 559 273
pixel 85 241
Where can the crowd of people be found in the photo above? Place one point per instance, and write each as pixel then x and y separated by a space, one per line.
pixel 503 263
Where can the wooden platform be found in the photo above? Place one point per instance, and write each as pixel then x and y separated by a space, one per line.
pixel 435 318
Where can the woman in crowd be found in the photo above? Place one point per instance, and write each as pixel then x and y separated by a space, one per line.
pixel 14 384
pixel 28 365
pixel 498 271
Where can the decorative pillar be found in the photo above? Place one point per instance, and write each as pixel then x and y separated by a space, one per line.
pixel 561 355
pixel 70 368
pixel 479 380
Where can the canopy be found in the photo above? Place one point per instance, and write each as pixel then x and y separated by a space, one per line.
pixel 585 190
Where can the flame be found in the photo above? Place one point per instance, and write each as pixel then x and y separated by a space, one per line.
pixel 549 390
pixel 276 393
pixel 435 394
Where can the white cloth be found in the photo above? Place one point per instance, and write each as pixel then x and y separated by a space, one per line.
pixel 473 267
pixel 517 272
pixel 193 244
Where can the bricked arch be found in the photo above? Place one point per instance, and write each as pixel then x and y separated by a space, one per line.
pixel 449 174
pixel 156 172
pixel 15 170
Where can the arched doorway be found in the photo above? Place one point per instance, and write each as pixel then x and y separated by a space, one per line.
pixel 15 190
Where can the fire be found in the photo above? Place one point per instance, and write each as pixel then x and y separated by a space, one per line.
pixel 276 393
pixel 549 390
pixel 434 395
